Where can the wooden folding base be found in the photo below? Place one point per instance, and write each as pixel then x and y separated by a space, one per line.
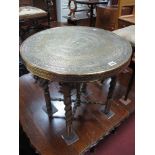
pixel 90 123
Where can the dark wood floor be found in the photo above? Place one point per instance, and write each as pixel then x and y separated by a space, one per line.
pixel 96 92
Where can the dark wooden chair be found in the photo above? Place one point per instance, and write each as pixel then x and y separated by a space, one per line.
pixel 29 18
pixel 30 15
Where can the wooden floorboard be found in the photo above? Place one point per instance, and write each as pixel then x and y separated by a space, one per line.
pixel 90 123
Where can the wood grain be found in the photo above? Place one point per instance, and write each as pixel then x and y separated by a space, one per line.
pixel 90 123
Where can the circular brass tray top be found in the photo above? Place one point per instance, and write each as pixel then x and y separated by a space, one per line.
pixel 75 54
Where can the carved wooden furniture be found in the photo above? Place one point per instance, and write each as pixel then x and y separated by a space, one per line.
pixel 126 20
pixel 30 14
pixel 92 5
pixel 73 56
pixel 42 5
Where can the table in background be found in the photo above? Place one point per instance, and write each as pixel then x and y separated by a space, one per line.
pixel 91 4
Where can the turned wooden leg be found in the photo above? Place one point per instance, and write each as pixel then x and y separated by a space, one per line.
pixel 48 101
pixel 84 87
pixel 69 136
pixel 47 98
pixel 110 94
pixel 44 84
pixel 78 89
pixel 78 97
pixel 68 109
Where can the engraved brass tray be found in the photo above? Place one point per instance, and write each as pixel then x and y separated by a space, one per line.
pixel 75 54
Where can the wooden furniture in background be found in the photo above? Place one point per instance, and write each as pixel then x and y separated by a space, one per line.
pixel 30 17
pixel 114 2
pixel 29 11
pixel 126 20
pixel 41 4
pixel 92 5
pixel 106 17
pixel 128 33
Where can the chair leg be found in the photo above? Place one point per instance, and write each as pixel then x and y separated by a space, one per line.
pixel 49 6
pixel 130 85
pixel 49 19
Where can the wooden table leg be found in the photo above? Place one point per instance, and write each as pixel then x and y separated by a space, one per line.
pixel 78 89
pixel 68 109
pixel 107 108
pixel 48 100
pixel 78 97
pixel 69 136
pixel 84 87
pixel 49 108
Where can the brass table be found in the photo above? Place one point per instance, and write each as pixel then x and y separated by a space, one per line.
pixel 74 56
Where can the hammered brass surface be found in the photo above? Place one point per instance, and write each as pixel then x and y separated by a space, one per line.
pixel 75 54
